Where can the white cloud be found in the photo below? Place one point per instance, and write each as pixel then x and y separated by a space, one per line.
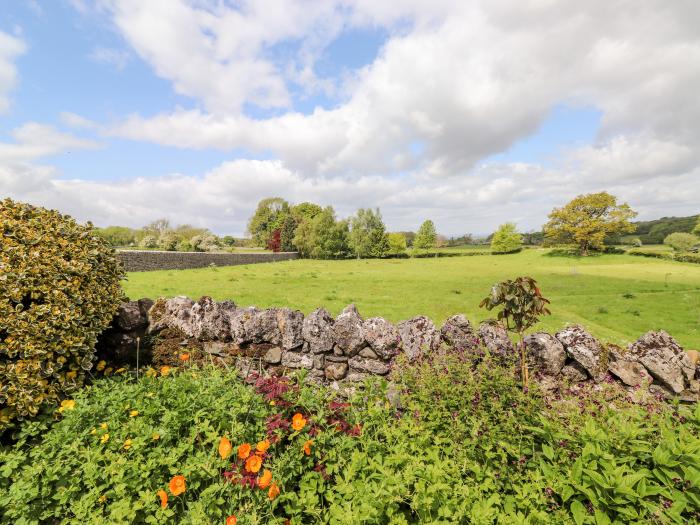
pixel 10 48
pixel 117 58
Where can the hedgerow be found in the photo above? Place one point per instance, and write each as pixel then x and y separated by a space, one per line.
pixel 59 288
pixel 453 440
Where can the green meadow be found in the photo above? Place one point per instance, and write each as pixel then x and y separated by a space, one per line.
pixel 617 297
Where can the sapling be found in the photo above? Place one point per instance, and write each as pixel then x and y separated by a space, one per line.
pixel 521 304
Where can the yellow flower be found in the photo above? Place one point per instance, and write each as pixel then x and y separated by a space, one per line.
pixel 103 498
pixel 133 413
pixel 155 436
pixel 127 444
pixel 149 394
pixel 71 375
pixel 67 404
pixel 104 438
pixel 108 371
pixel 272 403
pixel 101 366
pixel 164 370
pixel 103 426
pixel 150 372
pixel 120 370
pixel 93 431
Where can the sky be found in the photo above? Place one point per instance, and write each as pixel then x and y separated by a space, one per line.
pixel 470 113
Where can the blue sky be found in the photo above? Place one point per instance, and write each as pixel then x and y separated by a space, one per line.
pixel 196 110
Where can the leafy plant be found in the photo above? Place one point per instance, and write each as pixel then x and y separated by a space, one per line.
pixel 426 237
pixel 681 242
pixel 59 288
pixel 521 305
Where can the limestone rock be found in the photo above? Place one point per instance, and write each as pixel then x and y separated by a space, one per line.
pixel 297 360
pixel 459 334
pixel 496 339
pixel 273 356
pixel 371 366
pixel 319 361
pixel 336 371
pixel 626 368
pixel 583 348
pixel 132 315
pixel 382 336
pixel 347 331
pixel 289 324
pixel 210 320
pixel 418 336
pixel 545 352
pixel 171 313
pixel 317 330
pixel 665 360
pixel 574 372
pixel 368 353
pixel 241 319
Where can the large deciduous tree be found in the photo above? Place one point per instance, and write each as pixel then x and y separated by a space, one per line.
pixel 268 217
pixel 506 239
pixel 368 234
pixel 426 236
pixel 588 219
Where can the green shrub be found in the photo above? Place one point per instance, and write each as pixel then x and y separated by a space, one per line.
pixel 681 242
pixel 455 440
pixel 59 288
pixel 506 239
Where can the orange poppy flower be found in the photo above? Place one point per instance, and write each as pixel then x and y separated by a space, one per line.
pixel 163 498
pixel 253 463
pixel 177 485
pixel 262 446
pixel 265 479
pixel 184 357
pixel 273 492
pixel 307 447
pixel 164 370
pixel 298 422
pixel 244 450
pixel 224 448
pixel 231 520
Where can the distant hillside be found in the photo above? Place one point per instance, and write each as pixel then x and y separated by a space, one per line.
pixel 654 232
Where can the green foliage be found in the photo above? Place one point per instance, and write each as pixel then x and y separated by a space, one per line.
pixel 397 243
pixel 460 443
pixel 117 235
pixel 269 216
pixel 287 232
pixel 506 239
pixel 148 242
pixel 368 234
pixel 426 237
pixel 305 210
pixel 588 220
pixel 205 243
pixel 59 288
pixel 654 232
pixel 322 237
pixel 521 306
pixel 168 241
pixel 681 242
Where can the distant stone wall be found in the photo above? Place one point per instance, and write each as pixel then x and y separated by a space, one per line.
pixel 349 348
pixel 146 260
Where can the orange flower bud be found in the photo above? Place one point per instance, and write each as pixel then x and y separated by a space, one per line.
pixel 163 498
pixel 225 448
pixel 273 492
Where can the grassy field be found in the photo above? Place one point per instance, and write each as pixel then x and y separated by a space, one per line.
pixel 617 297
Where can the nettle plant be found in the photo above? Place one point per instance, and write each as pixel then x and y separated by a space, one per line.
pixel 521 306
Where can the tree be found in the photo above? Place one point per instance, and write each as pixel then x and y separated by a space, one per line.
pixel 696 229
pixel 305 210
pixel 426 236
pixel 207 242
pixel 322 237
pixel 681 242
pixel 304 238
pixel 506 239
pixel 287 231
pixel 521 305
pixel 410 237
pixel 157 227
pixel 268 216
pixel 588 219
pixel 368 234
pixel 168 241
pixel 149 242
pixel 117 235
pixel 397 243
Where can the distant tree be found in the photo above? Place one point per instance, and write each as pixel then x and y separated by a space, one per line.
pixel 274 243
pixel 168 241
pixel 681 242
pixel 228 240
pixel 588 219
pixel 368 234
pixel 397 243
pixel 463 240
pixel 330 237
pixel 506 239
pixel 157 227
pixel 149 242
pixel 287 231
pixel 185 246
pixel 117 235
pixel 637 242
pixel 410 236
pixel 304 238
pixel 696 229
pixel 305 210
pixel 441 241
pixel 205 243
pixel 426 236
pixel 533 238
pixel 187 231
pixel 268 216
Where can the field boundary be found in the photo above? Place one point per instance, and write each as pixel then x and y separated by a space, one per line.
pixel 148 260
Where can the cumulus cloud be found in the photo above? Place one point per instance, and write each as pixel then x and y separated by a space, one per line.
pixel 453 84
pixel 10 48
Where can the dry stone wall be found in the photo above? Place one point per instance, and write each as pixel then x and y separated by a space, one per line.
pixel 148 260
pixel 348 348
